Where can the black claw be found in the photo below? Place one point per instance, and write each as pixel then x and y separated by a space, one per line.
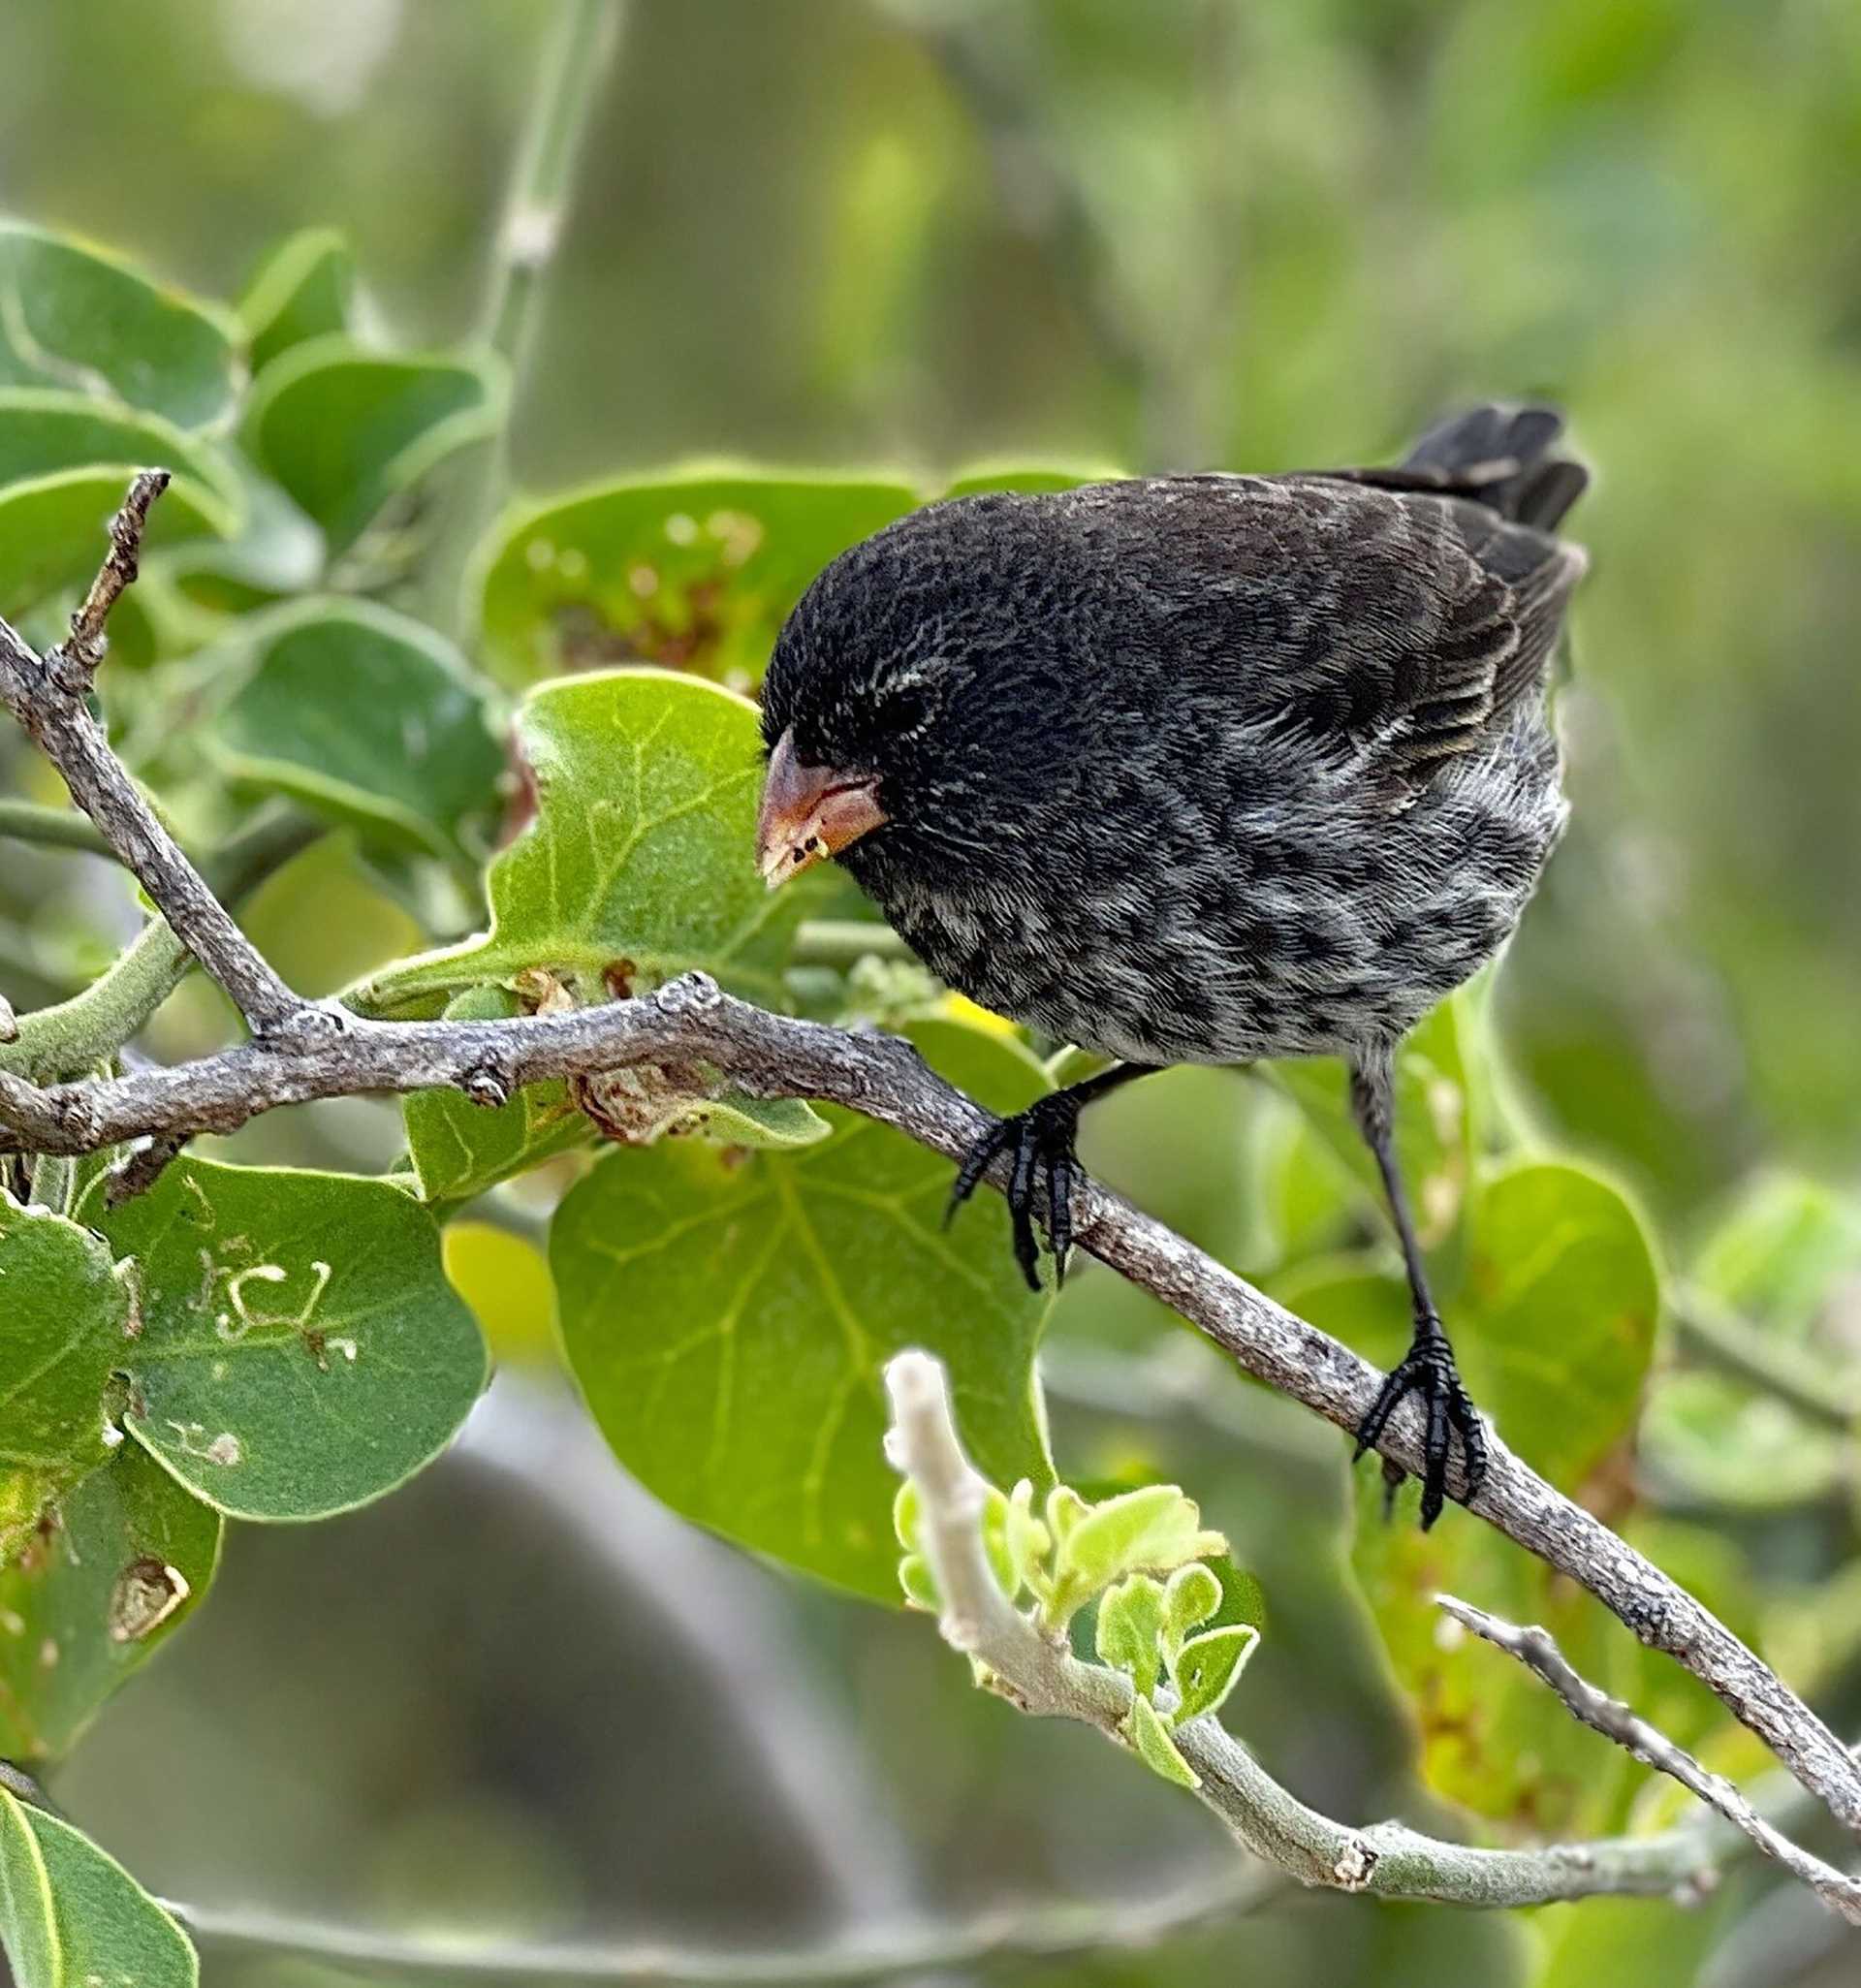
pixel 1041 1139
pixel 975 1163
pixel 1428 1370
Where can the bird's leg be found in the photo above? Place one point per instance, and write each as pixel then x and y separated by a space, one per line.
pixel 1041 1139
pixel 1427 1368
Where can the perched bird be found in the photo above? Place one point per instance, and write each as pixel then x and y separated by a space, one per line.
pixel 1198 769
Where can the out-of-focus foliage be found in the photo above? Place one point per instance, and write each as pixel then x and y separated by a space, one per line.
pixel 900 240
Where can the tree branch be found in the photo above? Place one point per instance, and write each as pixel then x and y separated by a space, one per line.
pixel 883 1077
pixel 1536 1649
pixel 48 696
pixel 1045 1679
pixel 772 1056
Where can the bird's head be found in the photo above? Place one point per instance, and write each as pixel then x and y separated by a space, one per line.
pixel 905 713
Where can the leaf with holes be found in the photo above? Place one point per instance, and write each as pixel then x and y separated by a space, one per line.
pixel 303 290
pixel 638 861
pixel 129 1558
pixel 73 1918
pixel 693 571
pixel 72 317
pixel 67 1320
pixel 366 717
pixel 728 1321
pixel 346 429
pixel 301 1351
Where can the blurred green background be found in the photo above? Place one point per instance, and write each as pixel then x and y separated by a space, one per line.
pixel 1184 233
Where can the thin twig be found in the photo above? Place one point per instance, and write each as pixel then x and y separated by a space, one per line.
pixel 72 1035
pixel 51 827
pixel 1536 1649
pixel 48 696
pixel 1043 1678
pixel 74 663
pixel 1045 1933
pixel 1791 1373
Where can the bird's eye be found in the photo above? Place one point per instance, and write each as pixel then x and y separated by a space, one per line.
pixel 908 709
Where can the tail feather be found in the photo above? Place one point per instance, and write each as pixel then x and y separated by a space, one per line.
pixel 1500 455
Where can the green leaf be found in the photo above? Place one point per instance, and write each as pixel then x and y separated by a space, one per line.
pixel 1190 1599
pixel 1553 1319
pixel 696 570
pixel 728 1321
pixel 130 1558
pixel 1711 1437
pixel 303 290
pixel 1034 479
pixel 460 1149
pixel 366 717
pixel 1561 1298
pixel 54 529
pixel 639 855
pixel 301 1351
pixel 1208 1666
pixel 1150 1740
pixel 918 1584
pixel 346 430
pixel 43 430
pixel 1781 1249
pixel 1155 1527
pixel 74 317
pixel 71 1917
pixel 66 1321
pixel 1129 1630
pixel 1491 1738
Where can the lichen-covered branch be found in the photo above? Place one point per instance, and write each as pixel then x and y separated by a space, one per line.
pixel 304 1052
pixel 1044 1678
pixel 1536 1649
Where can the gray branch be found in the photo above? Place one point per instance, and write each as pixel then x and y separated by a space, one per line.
pixel 49 695
pixel 306 1051
pixel 1538 1649
pixel 911 1951
pixel 1045 1679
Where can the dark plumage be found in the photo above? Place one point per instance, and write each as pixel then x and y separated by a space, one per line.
pixel 1198 769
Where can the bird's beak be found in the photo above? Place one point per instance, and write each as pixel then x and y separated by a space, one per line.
pixel 810 812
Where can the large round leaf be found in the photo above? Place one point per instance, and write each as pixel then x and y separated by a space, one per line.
pixel 130 1557
pixel 300 1349
pixel 695 570
pixel 728 1320
pixel 303 290
pixel 70 316
pixel 43 430
pixel 1563 1297
pixel 365 716
pixel 71 1917
pixel 639 857
pixel 346 429
pixel 65 1315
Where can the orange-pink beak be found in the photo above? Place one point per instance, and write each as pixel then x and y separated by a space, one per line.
pixel 809 813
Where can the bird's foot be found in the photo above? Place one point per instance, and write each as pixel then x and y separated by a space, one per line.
pixel 1428 1370
pixel 1041 1139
